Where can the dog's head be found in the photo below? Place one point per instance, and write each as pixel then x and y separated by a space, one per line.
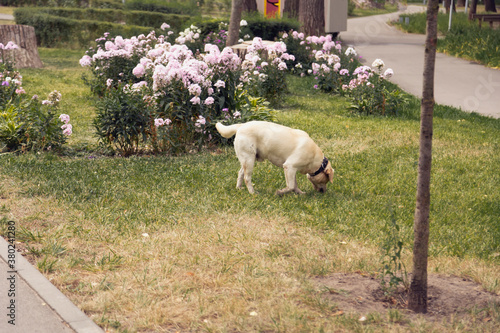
pixel 320 180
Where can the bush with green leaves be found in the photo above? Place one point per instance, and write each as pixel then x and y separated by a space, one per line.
pixel 27 124
pixel 339 71
pixel 371 93
pixel 160 6
pixel 265 68
pixel 33 125
pixel 123 119
pixel 188 91
pixel 53 31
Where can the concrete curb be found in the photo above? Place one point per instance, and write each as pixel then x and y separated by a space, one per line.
pixel 54 298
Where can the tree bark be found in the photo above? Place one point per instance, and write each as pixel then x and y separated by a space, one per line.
pixel 249 6
pixel 312 17
pixel 291 8
pixel 447 6
pixel 473 8
pixel 489 6
pixel 24 37
pixel 418 288
pixel 234 22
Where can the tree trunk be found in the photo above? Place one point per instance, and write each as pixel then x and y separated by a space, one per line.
pixel 291 9
pixel 489 6
pixel 447 6
pixel 24 37
pixel 312 17
pixel 249 6
pixel 460 3
pixel 473 8
pixel 418 288
pixel 234 22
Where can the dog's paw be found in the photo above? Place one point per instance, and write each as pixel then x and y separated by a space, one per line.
pixel 283 191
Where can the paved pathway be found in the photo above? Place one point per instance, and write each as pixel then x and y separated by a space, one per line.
pixel 6 17
pixel 30 303
pixel 459 83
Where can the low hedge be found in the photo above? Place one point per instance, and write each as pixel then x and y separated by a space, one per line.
pixel 116 4
pixel 177 7
pixel 258 26
pixel 56 31
pixel 140 18
pixel 269 29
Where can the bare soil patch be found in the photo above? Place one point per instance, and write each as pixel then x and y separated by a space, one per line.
pixel 447 296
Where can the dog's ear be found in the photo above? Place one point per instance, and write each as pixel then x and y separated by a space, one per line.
pixel 329 172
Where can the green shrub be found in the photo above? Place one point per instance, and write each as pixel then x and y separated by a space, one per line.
pixel 269 29
pixel 33 125
pixel 139 18
pixel 114 4
pixel 54 3
pixel 52 31
pixel 171 7
pixel 257 26
pixel 123 120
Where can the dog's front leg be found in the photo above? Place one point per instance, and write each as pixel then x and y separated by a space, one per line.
pixel 291 181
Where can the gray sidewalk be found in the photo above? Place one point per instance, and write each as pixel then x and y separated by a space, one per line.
pixel 6 17
pixel 459 83
pixel 30 303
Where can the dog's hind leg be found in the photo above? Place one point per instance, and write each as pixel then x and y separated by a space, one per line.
pixel 241 178
pixel 247 168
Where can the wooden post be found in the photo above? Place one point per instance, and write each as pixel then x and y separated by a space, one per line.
pixel 24 37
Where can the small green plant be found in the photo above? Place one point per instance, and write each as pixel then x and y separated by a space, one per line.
pixel 29 125
pixel 393 272
pixel 46 265
pixel 123 120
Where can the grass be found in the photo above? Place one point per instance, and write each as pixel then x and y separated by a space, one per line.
pixel 368 11
pixel 465 39
pixel 160 243
pixel 7 10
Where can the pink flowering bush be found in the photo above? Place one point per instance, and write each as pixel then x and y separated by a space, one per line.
pixel 161 80
pixel 264 70
pixel 371 93
pixel 112 60
pixel 338 70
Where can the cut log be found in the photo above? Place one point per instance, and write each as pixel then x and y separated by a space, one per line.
pixel 24 37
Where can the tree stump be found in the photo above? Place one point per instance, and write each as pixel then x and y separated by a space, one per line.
pixel 24 37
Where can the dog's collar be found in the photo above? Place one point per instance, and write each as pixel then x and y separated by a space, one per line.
pixel 321 168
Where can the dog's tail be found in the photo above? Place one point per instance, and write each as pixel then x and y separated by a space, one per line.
pixel 227 131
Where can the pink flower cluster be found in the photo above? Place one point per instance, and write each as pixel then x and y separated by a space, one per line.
pixel 66 127
pixel 9 46
pixel 162 122
pixel 260 55
pixel 168 64
pixel 121 47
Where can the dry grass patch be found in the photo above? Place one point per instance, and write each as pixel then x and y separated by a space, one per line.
pixel 205 273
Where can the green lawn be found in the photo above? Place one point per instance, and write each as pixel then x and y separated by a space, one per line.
pixel 217 253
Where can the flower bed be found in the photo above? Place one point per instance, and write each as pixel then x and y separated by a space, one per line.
pixel 165 93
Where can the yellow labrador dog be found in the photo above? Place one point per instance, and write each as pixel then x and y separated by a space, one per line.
pixel 291 149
